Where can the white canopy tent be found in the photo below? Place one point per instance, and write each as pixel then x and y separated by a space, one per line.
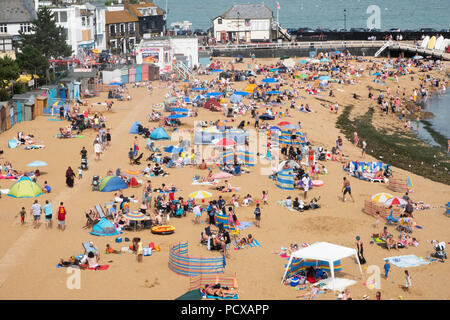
pixel 323 251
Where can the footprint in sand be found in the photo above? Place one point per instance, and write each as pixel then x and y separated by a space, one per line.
pixel 147 283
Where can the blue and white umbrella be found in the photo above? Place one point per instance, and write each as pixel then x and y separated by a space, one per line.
pixel 269 80
pixel 217 70
pixel 376 74
pixel 37 163
pixel 173 149
pixel 115 84
pixel 324 78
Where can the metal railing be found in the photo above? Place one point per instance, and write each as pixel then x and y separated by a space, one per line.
pixel 418 49
pixel 291 45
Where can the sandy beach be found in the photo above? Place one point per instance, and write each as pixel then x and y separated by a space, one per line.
pixel 28 257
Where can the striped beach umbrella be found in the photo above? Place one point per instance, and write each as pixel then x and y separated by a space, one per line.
pixel 136 216
pixel 158 107
pixel 396 201
pixel 382 197
pixel 225 142
pixel 200 194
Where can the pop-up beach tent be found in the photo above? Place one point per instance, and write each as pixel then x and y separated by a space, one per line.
pixel 134 128
pixel 112 183
pixel 25 188
pixel 159 134
pixel 104 228
pixel 323 251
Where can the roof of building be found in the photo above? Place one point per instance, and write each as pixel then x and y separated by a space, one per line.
pixel 119 17
pixel 134 8
pixel 248 11
pixel 16 11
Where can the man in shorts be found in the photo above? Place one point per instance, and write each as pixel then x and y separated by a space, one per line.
pixel 346 189
pixel 48 210
pixel 36 211
pixel 131 155
pixel 61 217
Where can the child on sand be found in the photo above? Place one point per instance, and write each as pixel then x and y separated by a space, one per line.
pixel 257 213
pixel 22 215
pixel 265 193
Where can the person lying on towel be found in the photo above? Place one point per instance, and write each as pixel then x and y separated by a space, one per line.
pixel 217 290
pixel 246 240
pixel 71 262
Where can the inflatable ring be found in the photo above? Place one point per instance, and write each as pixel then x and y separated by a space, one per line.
pixel 164 229
pixel 317 183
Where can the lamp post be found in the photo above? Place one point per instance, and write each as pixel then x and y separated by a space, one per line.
pixel 237 38
pixel 345 19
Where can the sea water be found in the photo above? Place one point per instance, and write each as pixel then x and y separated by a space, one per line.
pixel 403 14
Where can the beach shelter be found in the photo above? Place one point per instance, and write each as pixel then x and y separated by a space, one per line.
pixel 247 157
pixel 200 194
pixel 158 107
pixel 173 149
pixel 104 228
pixel 220 218
pixel 134 129
pixel 285 180
pixel 324 251
pixel 159 134
pixel 112 183
pixel 211 104
pixel 195 294
pixel 37 163
pixel 25 188
pixel 133 183
pixel 227 157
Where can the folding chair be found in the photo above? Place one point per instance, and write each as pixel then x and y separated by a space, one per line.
pixel 100 211
pixel 87 247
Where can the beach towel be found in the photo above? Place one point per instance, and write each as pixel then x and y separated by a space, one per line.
pixel 407 261
pixel 33 147
pixel 339 283
pixel 205 183
pixel 254 244
pixel 99 268
pixel 244 225
pixel 282 203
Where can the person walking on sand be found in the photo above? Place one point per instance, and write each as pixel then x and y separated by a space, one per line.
pixel 48 210
pixel 346 189
pixel 264 198
pixel 22 215
pixel 35 212
pixel 355 139
pixel 363 150
pixel 387 266
pixel 97 150
pixel 408 282
pixel 62 216
pixel 257 213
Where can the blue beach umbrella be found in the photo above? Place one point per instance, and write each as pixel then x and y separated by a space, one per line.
pixel 274 92
pixel 324 60
pixel 37 163
pixel 115 84
pixel 242 93
pixel 198 89
pixel 274 128
pixel 334 69
pixel 177 116
pixel 179 110
pixel 377 74
pixel 269 80
pixel 213 94
pixel 217 70
pixel 173 149
pixel 324 78
pixel 303 61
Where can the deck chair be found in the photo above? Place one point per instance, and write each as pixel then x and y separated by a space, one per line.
pixel 88 248
pixel 391 220
pixel 100 211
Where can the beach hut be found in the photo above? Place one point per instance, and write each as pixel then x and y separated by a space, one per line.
pixel 159 134
pixel 324 251
pixel 112 183
pixel 25 188
pixel 104 228
pixel 134 128
pixel 285 180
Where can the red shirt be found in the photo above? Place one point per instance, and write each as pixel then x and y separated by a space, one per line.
pixel 61 213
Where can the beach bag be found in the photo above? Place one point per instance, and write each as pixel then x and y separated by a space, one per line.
pixel 118 239
pixel 147 252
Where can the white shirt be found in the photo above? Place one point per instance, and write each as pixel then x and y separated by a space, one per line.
pixel 36 208
pixel 97 148
pixel 197 211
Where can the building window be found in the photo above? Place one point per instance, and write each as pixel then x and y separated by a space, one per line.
pixel 132 42
pixel 3 28
pixel 83 21
pixel 5 45
pixel 112 29
pixel 63 16
pixel 88 21
pixel 131 27
pixel 122 28
pixel 25 27
pixel 219 21
pixel 113 43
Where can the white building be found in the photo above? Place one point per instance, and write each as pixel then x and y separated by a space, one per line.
pixel 164 51
pixel 15 16
pixel 78 25
pixel 249 22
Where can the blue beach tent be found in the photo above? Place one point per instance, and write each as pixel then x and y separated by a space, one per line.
pixel 104 228
pixel 134 128
pixel 159 134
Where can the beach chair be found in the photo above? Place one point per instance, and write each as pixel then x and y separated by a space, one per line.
pixel 391 220
pixel 88 248
pixel 100 211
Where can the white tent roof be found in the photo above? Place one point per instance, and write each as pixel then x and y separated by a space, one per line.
pixel 324 251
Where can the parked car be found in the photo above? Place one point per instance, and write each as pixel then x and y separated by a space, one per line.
pixel 428 30
pixel 357 30
pixel 304 30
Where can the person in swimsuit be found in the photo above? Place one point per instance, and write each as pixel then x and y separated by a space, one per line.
pixel 346 189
